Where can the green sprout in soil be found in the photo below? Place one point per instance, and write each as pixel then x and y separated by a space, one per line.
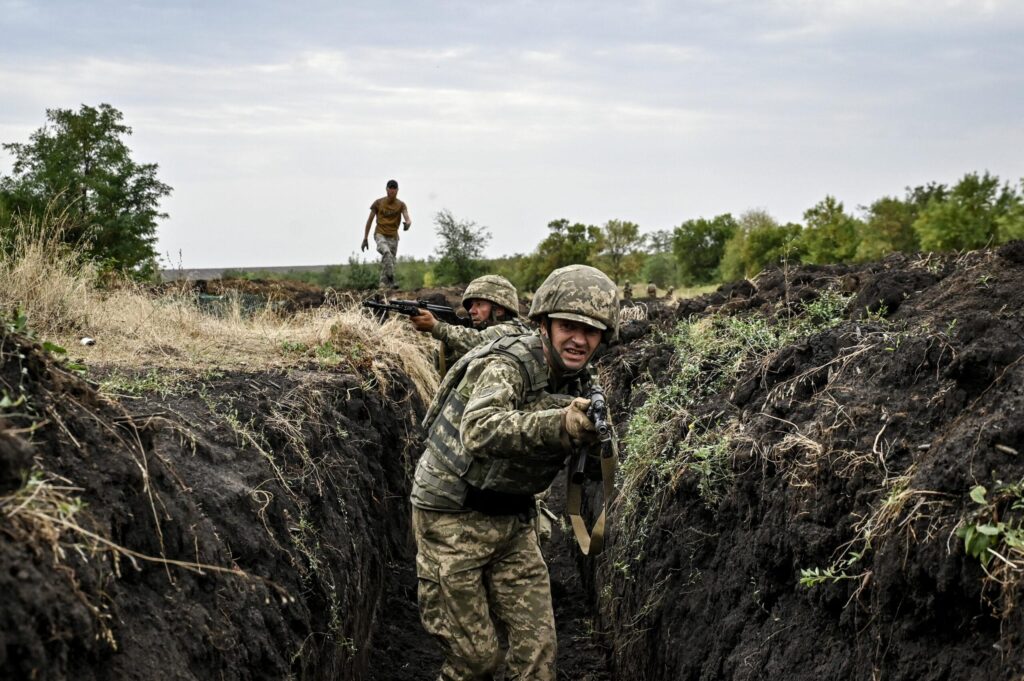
pixel 984 535
pixel 136 384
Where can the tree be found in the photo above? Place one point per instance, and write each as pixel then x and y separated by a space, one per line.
pixel 1011 224
pixel 969 216
pixel 567 244
pixel 830 235
pixel 660 241
pixel 698 246
pixel 888 227
pixel 661 269
pixel 78 166
pixel 759 242
pixel 621 244
pixel 460 249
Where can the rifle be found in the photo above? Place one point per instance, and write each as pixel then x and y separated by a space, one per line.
pixel 591 543
pixel 598 414
pixel 412 307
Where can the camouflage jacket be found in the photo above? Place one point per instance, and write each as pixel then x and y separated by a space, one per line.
pixel 458 340
pixel 495 425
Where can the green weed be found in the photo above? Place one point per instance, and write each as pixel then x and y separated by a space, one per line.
pixel 983 533
pixel 152 381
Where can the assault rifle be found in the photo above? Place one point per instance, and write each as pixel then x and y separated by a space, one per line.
pixel 412 307
pixel 598 415
pixel 592 542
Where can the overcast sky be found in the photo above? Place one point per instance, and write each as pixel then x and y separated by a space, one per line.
pixel 278 123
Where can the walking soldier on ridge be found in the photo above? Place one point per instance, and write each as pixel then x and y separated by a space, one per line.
pixel 388 210
pixel 504 421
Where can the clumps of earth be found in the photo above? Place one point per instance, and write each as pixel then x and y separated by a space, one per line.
pixel 805 518
pixel 813 521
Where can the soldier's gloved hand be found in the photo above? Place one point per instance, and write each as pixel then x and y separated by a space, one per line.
pixel 424 321
pixel 366 244
pixel 575 422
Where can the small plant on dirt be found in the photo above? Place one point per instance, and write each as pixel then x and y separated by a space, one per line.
pixel 327 353
pixel 152 381
pixel 983 533
pixel 294 347
pixel 812 577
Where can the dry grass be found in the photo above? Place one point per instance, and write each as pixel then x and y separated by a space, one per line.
pixel 133 328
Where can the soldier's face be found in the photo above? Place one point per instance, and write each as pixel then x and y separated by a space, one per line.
pixel 574 342
pixel 392 192
pixel 479 310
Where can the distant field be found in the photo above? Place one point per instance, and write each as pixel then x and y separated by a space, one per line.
pixel 216 272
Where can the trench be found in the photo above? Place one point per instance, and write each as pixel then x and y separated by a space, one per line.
pixel 257 523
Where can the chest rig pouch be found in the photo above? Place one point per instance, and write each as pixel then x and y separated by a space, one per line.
pixel 521 474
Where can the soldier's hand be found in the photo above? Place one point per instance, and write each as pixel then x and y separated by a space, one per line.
pixel 424 321
pixel 366 244
pixel 407 225
pixel 575 422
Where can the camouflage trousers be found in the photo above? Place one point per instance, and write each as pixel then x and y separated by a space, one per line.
pixel 387 246
pixel 477 573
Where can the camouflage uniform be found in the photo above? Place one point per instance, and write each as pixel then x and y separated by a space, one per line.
pixel 495 439
pixel 458 340
pixel 387 246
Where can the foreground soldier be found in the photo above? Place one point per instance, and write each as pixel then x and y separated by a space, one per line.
pixel 493 303
pixel 501 427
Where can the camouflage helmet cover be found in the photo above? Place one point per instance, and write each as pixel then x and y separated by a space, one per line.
pixel 495 289
pixel 579 293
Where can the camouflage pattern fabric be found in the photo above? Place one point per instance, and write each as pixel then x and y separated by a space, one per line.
pixel 493 288
pixel 472 567
pixel 387 246
pixel 496 424
pixel 459 340
pixel 579 293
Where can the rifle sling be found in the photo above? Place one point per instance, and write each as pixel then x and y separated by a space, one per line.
pixel 592 543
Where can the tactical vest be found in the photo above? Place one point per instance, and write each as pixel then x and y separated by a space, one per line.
pixel 445 471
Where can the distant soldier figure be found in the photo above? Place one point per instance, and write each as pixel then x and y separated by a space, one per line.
pixel 501 427
pixel 627 291
pixel 493 303
pixel 388 210
pixel 652 290
pixel 670 291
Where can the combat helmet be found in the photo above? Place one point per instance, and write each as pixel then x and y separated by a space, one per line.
pixel 495 289
pixel 579 293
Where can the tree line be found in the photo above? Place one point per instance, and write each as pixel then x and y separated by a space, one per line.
pixel 78 168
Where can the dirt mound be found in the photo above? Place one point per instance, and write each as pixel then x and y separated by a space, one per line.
pixel 241 527
pixel 798 510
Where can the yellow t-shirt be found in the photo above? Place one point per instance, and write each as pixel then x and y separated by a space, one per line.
pixel 389 214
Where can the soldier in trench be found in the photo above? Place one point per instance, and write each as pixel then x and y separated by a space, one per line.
pixel 504 421
pixel 493 304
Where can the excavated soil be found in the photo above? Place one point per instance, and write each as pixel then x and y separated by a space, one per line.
pixel 855 449
pixel 245 528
